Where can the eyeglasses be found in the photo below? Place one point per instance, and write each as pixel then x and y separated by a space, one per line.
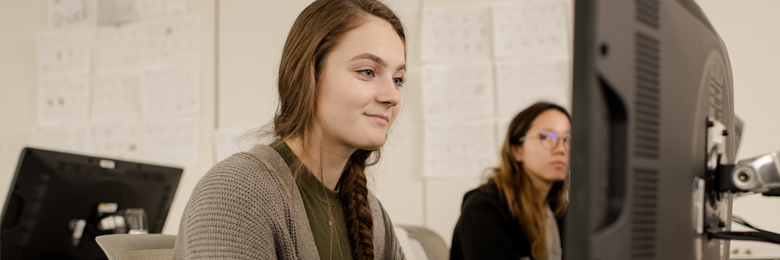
pixel 549 140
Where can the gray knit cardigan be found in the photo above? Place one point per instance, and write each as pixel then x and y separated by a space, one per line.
pixel 249 207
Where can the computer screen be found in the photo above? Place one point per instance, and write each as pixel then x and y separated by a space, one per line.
pixel 651 80
pixel 57 199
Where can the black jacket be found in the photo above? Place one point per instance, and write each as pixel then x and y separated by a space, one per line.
pixel 487 230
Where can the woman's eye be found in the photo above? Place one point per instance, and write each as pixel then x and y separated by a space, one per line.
pixel 399 81
pixel 368 73
pixel 544 136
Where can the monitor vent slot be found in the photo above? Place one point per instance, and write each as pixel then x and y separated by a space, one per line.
pixel 716 100
pixel 647 12
pixel 716 79
pixel 647 96
pixel 644 214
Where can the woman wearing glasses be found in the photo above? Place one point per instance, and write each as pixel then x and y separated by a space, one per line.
pixel 517 213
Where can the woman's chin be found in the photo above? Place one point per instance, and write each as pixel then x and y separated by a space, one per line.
pixel 558 177
pixel 373 144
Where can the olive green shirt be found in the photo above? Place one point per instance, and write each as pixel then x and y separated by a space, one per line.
pixel 248 207
pixel 331 238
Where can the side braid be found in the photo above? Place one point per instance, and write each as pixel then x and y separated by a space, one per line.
pixel 354 197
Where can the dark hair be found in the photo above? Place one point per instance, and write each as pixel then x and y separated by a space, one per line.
pixel 316 31
pixel 515 187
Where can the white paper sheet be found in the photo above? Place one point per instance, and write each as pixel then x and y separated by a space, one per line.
pixel 68 12
pixel 116 140
pixel 174 41
pixel 172 142
pixel 149 7
pixel 457 90
pixel 118 49
pixel 463 148
pixel 67 138
pixel 530 28
pixel 456 33
pixel 116 97
pixel 176 6
pixel 64 53
pixel 170 92
pixel 228 141
pixel 116 12
pixel 63 100
pixel 521 83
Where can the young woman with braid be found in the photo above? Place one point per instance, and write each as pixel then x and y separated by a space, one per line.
pixel 517 213
pixel 305 195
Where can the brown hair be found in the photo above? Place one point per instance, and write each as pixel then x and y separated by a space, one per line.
pixel 515 187
pixel 316 31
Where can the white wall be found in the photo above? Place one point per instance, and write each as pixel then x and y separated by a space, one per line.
pixel 20 21
pixel 242 41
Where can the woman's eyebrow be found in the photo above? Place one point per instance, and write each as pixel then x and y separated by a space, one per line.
pixel 551 130
pixel 377 59
pixel 369 56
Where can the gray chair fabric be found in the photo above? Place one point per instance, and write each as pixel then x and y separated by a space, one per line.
pixel 137 246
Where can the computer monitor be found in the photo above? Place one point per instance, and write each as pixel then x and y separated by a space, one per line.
pixel 651 79
pixel 52 191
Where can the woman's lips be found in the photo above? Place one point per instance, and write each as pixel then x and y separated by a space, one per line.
pixel 379 118
pixel 558 164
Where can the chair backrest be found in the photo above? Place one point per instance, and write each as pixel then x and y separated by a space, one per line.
pixel 424 243
pixel 137 246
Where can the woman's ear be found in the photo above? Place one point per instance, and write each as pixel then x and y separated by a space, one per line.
pixel 517 152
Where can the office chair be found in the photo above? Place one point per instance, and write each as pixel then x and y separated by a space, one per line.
pixel 423 243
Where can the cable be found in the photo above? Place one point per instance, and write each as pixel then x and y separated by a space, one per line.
pixel 760 236
pixel 741 221
pixel 757 235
